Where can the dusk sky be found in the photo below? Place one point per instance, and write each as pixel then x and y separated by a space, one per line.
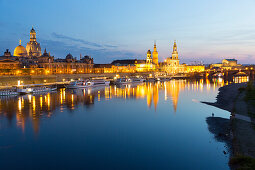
pixel 205 30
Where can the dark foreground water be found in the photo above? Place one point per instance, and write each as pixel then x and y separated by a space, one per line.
pixel 145 126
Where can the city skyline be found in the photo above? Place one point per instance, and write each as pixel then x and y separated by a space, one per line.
pixel 204 31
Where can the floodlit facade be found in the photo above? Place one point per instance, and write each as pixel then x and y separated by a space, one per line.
pixel 172 64
pixel 155 55
pixel 30 60
pixel 226 64
pixel 8 62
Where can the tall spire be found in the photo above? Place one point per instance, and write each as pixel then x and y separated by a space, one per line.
pixel 175 46
pixel 155 54
pixel 175 52
pixel 19 42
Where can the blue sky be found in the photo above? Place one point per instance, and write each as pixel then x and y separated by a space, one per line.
pixel 205 30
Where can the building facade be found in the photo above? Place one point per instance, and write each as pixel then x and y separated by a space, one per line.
pixel 155 55
pixel 33 61
pixel 172 64
pixel 226 64
pixel 8 63
pixel 30 60
pixel 33 46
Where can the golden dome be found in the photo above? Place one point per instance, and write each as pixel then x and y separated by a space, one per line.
pixel 20 51
pixel 149 52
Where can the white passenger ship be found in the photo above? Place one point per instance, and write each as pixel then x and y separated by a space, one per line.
pixel 8 92
pixel 129 80
pixel 88 83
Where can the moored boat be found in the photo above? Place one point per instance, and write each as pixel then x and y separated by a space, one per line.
pixel 77 84
pixel 123 81
pixel 150 80
pixel 137 80
pixel 88 83
pixel 44 89
pixel 24 90
pixel 8 92
pixel 100 82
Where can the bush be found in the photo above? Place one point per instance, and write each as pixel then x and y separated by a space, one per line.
pixel 250 91
pixel 242 162
pixel 241 89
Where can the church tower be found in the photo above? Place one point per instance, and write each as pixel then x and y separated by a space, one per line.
pixel 33 47
pixel 149 59
pixel 32 35
pixel 175 53
pixel 155 55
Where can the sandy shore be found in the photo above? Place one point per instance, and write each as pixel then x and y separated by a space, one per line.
pixel 230 98
pixel 227 97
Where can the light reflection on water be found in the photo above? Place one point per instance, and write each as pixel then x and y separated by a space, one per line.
pixel 179 98
pixel 42 105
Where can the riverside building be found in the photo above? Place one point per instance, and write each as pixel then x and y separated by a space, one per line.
pixel 30 60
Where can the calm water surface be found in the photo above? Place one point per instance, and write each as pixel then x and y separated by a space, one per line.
pixel 144 126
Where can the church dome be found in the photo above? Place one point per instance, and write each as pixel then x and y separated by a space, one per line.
pixel 20 51
pixel 149 52
pixel 69 56
pixel 45 54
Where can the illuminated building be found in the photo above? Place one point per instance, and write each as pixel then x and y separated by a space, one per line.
pixel 194 68
pixel 69 65
pixel 8 62
pixel 155 55
pixel 20 51
pixel 33 46
pixel 229 62
pixel 149 59
pixel 127 66
pixel 103 68
pixel 31 61
pixel 226 64
pixel 172 64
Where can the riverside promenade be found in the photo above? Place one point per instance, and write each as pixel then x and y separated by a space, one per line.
pixel 6 81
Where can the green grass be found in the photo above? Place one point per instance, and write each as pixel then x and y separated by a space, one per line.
pixel 250 91
pixel 241 162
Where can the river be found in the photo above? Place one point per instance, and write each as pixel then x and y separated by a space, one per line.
pixel 139 126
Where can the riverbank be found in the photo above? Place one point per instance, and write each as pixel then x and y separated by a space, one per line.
pixel 233 98
pixel 38 79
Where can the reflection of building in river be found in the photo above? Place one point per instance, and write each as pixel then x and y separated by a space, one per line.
pixel 173 89
pixel 36 107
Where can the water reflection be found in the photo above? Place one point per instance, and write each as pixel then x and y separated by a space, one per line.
pixel 42 106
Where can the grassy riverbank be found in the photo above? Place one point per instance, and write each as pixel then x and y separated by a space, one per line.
pixel 239 99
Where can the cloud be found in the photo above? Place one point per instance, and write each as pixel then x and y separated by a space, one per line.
pixel 234 37
pixel 101 55
pixel 83 42
pixel 60 45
